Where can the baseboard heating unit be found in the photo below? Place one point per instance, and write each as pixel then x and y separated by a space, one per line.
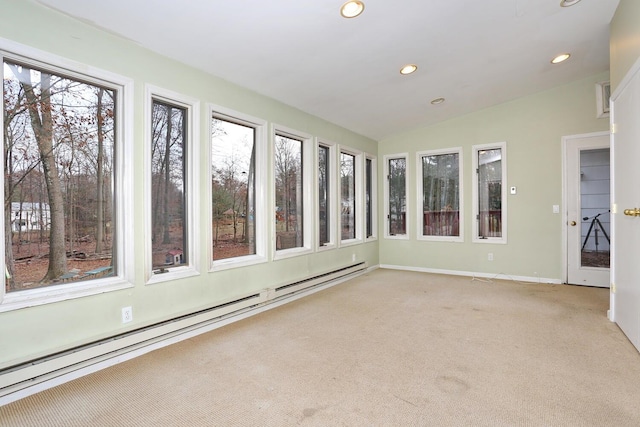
pixel 36 375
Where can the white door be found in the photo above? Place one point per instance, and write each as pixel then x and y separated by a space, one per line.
pixel 587 183
pixel 625 150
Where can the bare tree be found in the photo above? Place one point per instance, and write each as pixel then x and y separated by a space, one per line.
pixel 100 175
pixel 167 176
pixel 168 179
pixel 287 169
pixel 40 113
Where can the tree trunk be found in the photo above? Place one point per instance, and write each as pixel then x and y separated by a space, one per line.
pixel 249 197
pixel 43 131
pixel 8 244
pixel 99 177
pixel 167 152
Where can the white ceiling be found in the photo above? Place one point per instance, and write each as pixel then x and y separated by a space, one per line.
pixel 474 53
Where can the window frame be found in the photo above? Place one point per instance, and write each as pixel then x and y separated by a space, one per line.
pixel 374 197
pixel 358 175
pixel 420 195
pixel 260 173
pixel 123 250
pixel 308 193
pixel 332 199
pixel 387 234
pixel 475 193
pixel 192 187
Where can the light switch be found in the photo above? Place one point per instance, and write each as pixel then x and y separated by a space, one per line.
pixel 513 190
pixel 556 208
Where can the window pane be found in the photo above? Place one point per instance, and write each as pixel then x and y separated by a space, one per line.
pixel 168 136
pixel 397 196
pixel 288 182
pixel 369 197
pixel 441 195
pixel 59 171
pixel 232 189
pixel 490 193
pixel 323 195
pixel 348 195
pixel 595 199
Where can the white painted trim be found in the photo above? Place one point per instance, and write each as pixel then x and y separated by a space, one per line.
pixel 498 276
pixel 385 178
pixel 308 192
pixel 374 197
pixel 358 175
pixel 123 189
pixel 261 214
pixel 333 196
pixel 565 190
pixel 143 348
pixel 420 195
pixel 192 178
pixel 474 192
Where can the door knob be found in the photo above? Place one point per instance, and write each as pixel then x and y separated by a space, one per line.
pixel 632 212
pixel 573 223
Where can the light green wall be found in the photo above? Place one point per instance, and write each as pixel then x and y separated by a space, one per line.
pixel 625 40
pixel 532 127
pixel 41 330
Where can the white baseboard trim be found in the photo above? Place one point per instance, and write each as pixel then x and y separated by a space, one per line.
pixel 47 381
pixel 500 276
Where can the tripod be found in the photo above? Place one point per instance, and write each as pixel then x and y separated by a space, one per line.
pixel 595 222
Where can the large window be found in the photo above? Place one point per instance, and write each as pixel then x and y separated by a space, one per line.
pixel 59 169
pixel 168 184
pixel 370 198
pixel 326 185
pixel 396 196
pixel 65 169
pixel 490 193
pixel 347 196
pixel 233 187
pixel 439 187
pixel 170 191
pixel 289 192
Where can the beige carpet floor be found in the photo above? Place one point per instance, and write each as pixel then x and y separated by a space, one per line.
pixel 387 348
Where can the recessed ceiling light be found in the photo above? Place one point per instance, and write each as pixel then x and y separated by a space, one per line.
pixel 408 69
pixel 437 101
pixel 567 3
pixel 351 9
pixel 560 58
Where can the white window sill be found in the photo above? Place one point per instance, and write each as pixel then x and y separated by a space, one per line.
pixel 243 261
pixel 491 240
pixel 289 253
pixel 174 273
pixel 455 239
pixel 56 293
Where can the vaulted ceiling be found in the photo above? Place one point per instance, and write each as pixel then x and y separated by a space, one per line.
pixel 304 53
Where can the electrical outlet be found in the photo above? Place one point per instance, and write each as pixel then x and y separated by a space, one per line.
pixel 127 314
pixel 490 256
pixel 353 257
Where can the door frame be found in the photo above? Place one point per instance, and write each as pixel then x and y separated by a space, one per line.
pixel 565 196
